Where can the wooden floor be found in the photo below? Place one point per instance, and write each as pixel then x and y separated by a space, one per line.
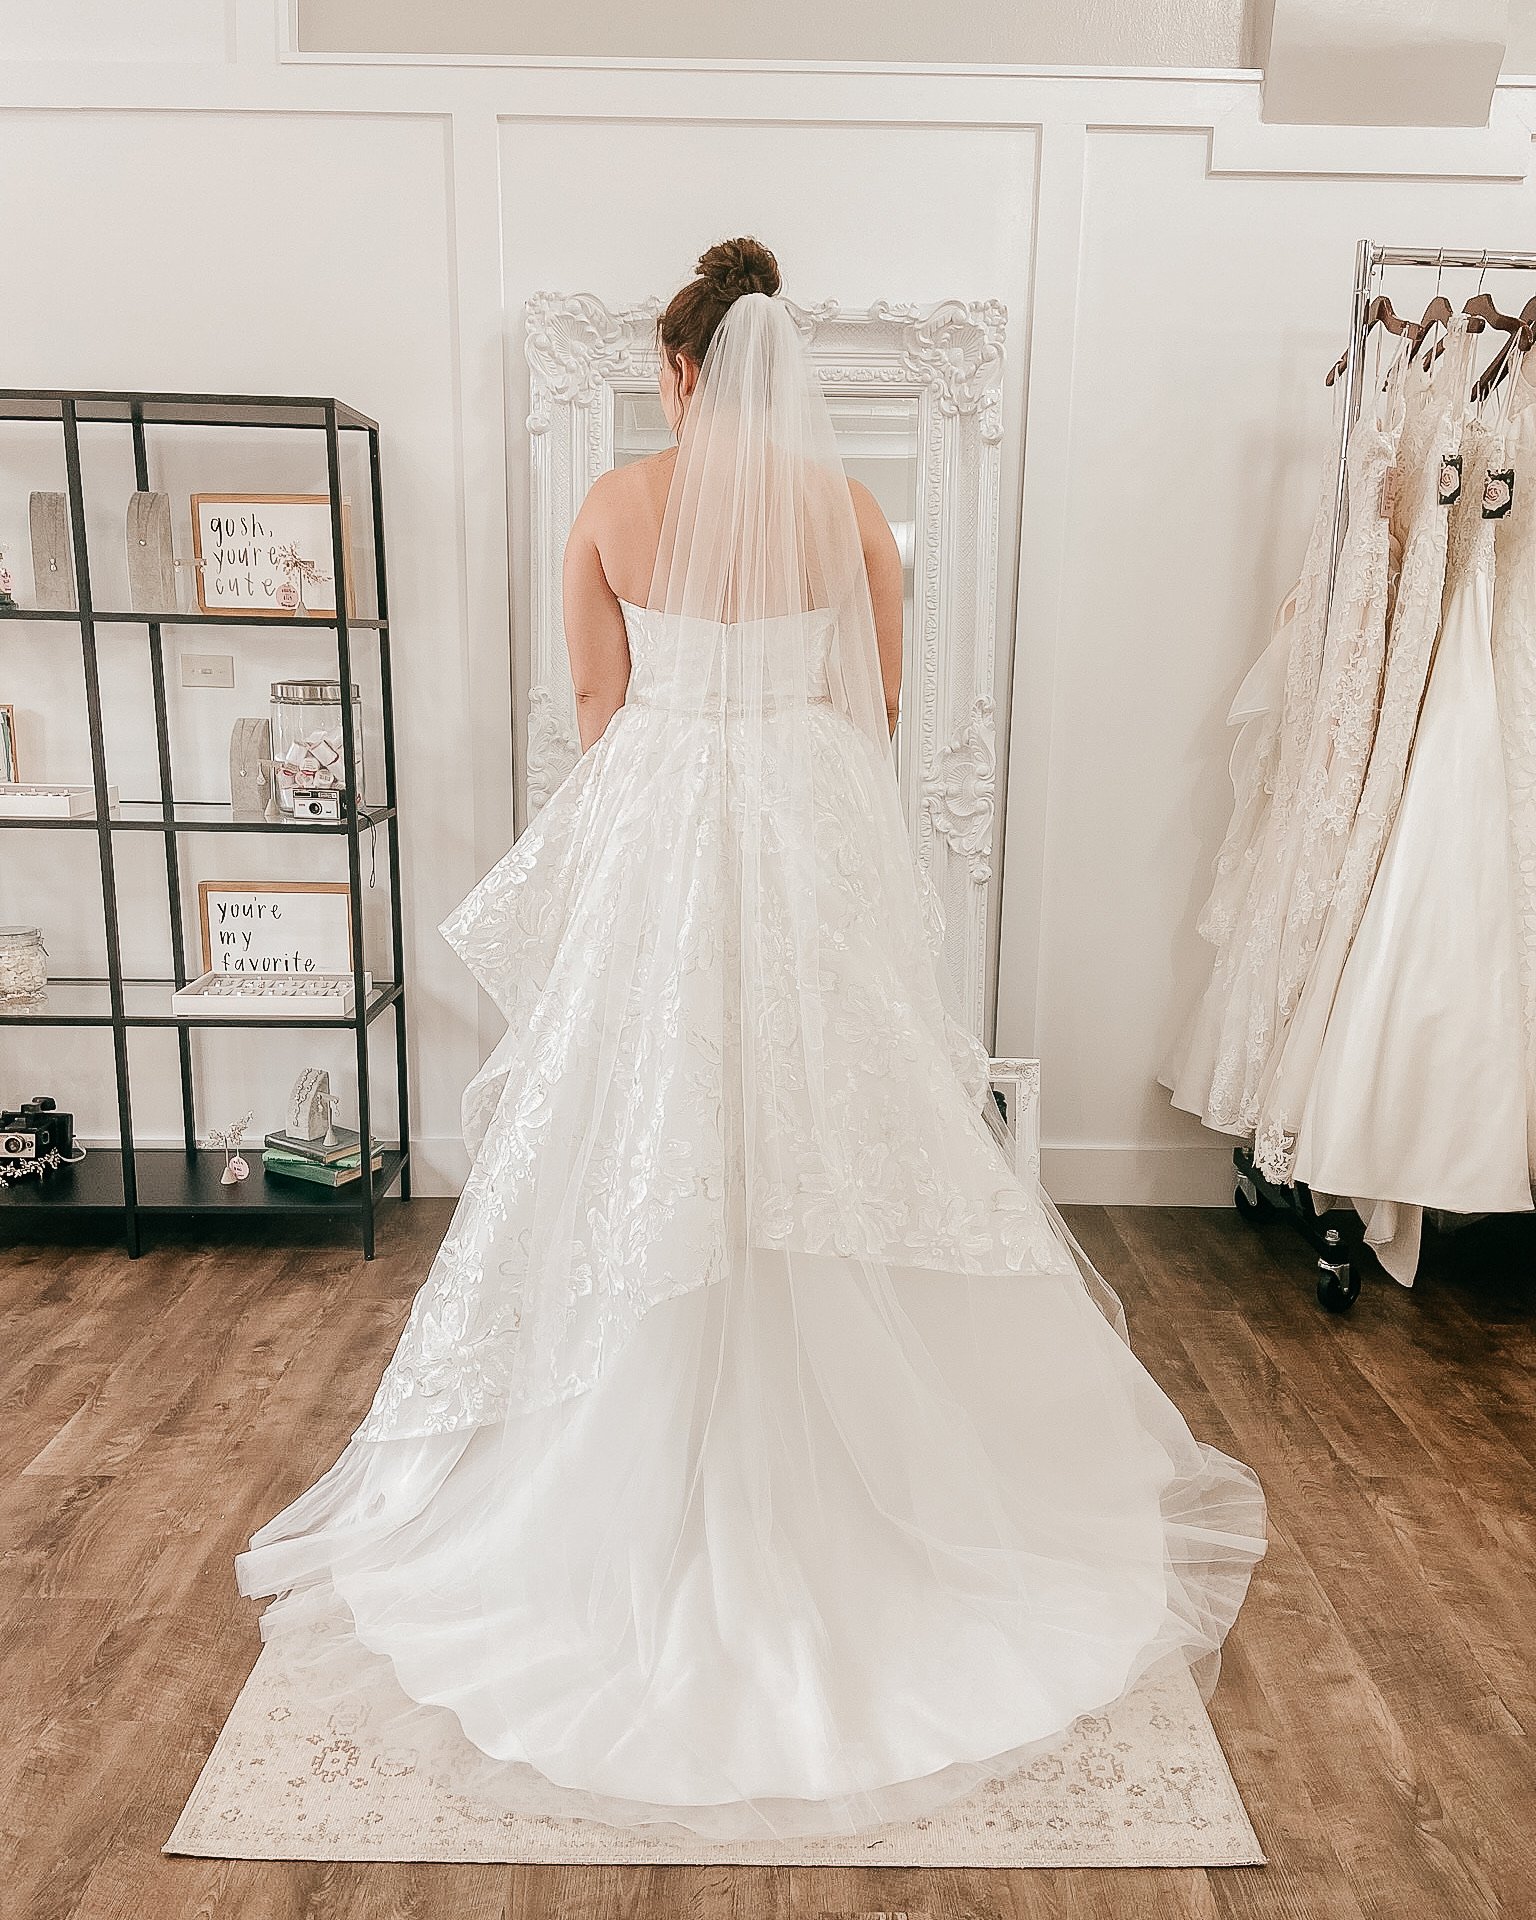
pixel 1378 1698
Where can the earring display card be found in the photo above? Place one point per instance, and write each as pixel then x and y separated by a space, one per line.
pixel 151 565
pixel 52 555
pixel 53 561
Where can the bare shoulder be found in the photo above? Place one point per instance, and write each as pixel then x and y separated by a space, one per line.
pixel 873 525
pixel 613 496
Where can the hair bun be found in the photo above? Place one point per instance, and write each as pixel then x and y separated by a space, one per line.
pixel 733 268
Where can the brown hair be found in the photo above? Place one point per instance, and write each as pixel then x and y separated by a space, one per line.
pixel 725 272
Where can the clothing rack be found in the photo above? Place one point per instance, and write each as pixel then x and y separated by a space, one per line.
pixel 1336 1235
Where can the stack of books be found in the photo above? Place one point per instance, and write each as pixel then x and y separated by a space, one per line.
pixel 314 1161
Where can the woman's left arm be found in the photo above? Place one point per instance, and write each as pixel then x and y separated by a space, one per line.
pixel 594 625
pixel 882 562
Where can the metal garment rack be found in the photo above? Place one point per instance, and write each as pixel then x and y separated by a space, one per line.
pixel 135 1180
pixel 1337 1234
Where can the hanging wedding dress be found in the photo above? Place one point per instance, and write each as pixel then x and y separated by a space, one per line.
pixel 1418 1098
pixel 1329 699
pixel 760 1456
pixel 1427 480
pixel 1514 666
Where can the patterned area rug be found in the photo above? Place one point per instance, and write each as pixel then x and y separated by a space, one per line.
pixel 1146 1785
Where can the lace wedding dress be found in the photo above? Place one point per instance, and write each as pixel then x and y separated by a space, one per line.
pixel 1290 781
pixel 1419 1097
pixel 761 1456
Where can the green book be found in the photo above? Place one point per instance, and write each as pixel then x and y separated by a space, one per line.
pixel 293 1166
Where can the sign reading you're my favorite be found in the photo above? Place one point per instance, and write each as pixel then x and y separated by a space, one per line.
pixel 265 553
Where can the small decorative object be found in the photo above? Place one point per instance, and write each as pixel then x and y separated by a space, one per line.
pixel 1448 488
pixel 23 964
pixel 265 996
pixel 250 761
pixel 301 573
pixel 252 553
pixel 36 1139
pixel 309 1105
pixel 10 760
pixel 276 926
pixel 1498 492
pixel 307 742
pixel 53 560
pixel 51 803
pixel 7 587
pixel 236 1167
pixel 151 568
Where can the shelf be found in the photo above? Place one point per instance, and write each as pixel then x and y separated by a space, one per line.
pixel 368 623
pixel 180 409
pixel 199 816
pixel 147 1003
pixel 171 1180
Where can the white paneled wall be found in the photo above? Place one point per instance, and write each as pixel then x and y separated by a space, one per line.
pixel 219 212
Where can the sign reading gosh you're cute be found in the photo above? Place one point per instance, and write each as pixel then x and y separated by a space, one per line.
pixel 265 553
pixel 275 926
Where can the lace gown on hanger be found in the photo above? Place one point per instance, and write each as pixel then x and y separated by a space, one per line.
pixel 1433 433
pixel 760 1456
pixel 1418 1099
pixel 1329 694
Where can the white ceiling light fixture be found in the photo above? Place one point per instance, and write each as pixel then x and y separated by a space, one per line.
pixel 1384 63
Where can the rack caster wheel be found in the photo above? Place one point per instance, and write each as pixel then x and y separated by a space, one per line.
pixel 1250 1203
pixel 1338 1286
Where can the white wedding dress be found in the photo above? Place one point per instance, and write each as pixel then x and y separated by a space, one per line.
pixel 760 1456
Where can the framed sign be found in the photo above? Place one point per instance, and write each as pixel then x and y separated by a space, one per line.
pixel 275 926
pixel 10 763
pixel 267 554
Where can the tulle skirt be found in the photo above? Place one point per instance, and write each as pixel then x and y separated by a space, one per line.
pixel 824 1547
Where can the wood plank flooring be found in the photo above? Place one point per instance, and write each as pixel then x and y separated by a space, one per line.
pixel 1379 1694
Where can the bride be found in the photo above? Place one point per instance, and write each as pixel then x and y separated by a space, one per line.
pixel 760 1457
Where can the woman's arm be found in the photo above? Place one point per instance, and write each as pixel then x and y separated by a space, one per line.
pixel 594 624
pixel 882 562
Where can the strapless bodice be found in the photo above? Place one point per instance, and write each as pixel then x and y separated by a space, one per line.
pixel 687 665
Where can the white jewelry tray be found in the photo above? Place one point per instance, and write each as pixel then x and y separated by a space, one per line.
pixel 267 996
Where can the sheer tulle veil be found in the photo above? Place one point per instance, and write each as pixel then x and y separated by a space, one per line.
pixel 756 1459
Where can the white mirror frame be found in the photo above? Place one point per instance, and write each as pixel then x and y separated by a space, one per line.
pixel 581 354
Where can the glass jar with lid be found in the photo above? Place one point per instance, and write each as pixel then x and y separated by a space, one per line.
pixel 306 739
pixel 23 964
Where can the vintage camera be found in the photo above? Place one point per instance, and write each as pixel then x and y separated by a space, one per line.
pixel 36 1128
pixel 316 803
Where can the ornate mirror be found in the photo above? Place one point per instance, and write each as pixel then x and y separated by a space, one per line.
pixel 915 396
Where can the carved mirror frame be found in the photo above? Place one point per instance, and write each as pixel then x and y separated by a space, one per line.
pixel 948 357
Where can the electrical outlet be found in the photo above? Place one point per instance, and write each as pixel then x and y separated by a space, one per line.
pixel 207 669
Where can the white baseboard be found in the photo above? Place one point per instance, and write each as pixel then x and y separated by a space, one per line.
pixel 1178 1175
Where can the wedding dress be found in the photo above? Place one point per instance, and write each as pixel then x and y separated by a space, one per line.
pixel 1514 664
pixel 1418 604
pixel 1328 688
pixel 1418 1099
pixel 761 1456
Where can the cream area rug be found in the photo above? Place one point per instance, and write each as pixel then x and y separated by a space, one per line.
pixel 1145 1785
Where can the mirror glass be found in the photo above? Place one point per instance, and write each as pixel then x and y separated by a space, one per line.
pixel 876 435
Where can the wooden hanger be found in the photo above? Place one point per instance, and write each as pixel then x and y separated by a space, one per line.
pixel 1379 312
pixel 1519 341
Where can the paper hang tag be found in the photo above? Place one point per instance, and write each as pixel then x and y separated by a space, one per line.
pixel 1391 486
pixel 1448 487
pixel 1498 492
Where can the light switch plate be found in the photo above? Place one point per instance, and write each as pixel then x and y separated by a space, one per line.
pixel 207 669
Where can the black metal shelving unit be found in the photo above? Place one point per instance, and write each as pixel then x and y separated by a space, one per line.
pixel 139 1181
